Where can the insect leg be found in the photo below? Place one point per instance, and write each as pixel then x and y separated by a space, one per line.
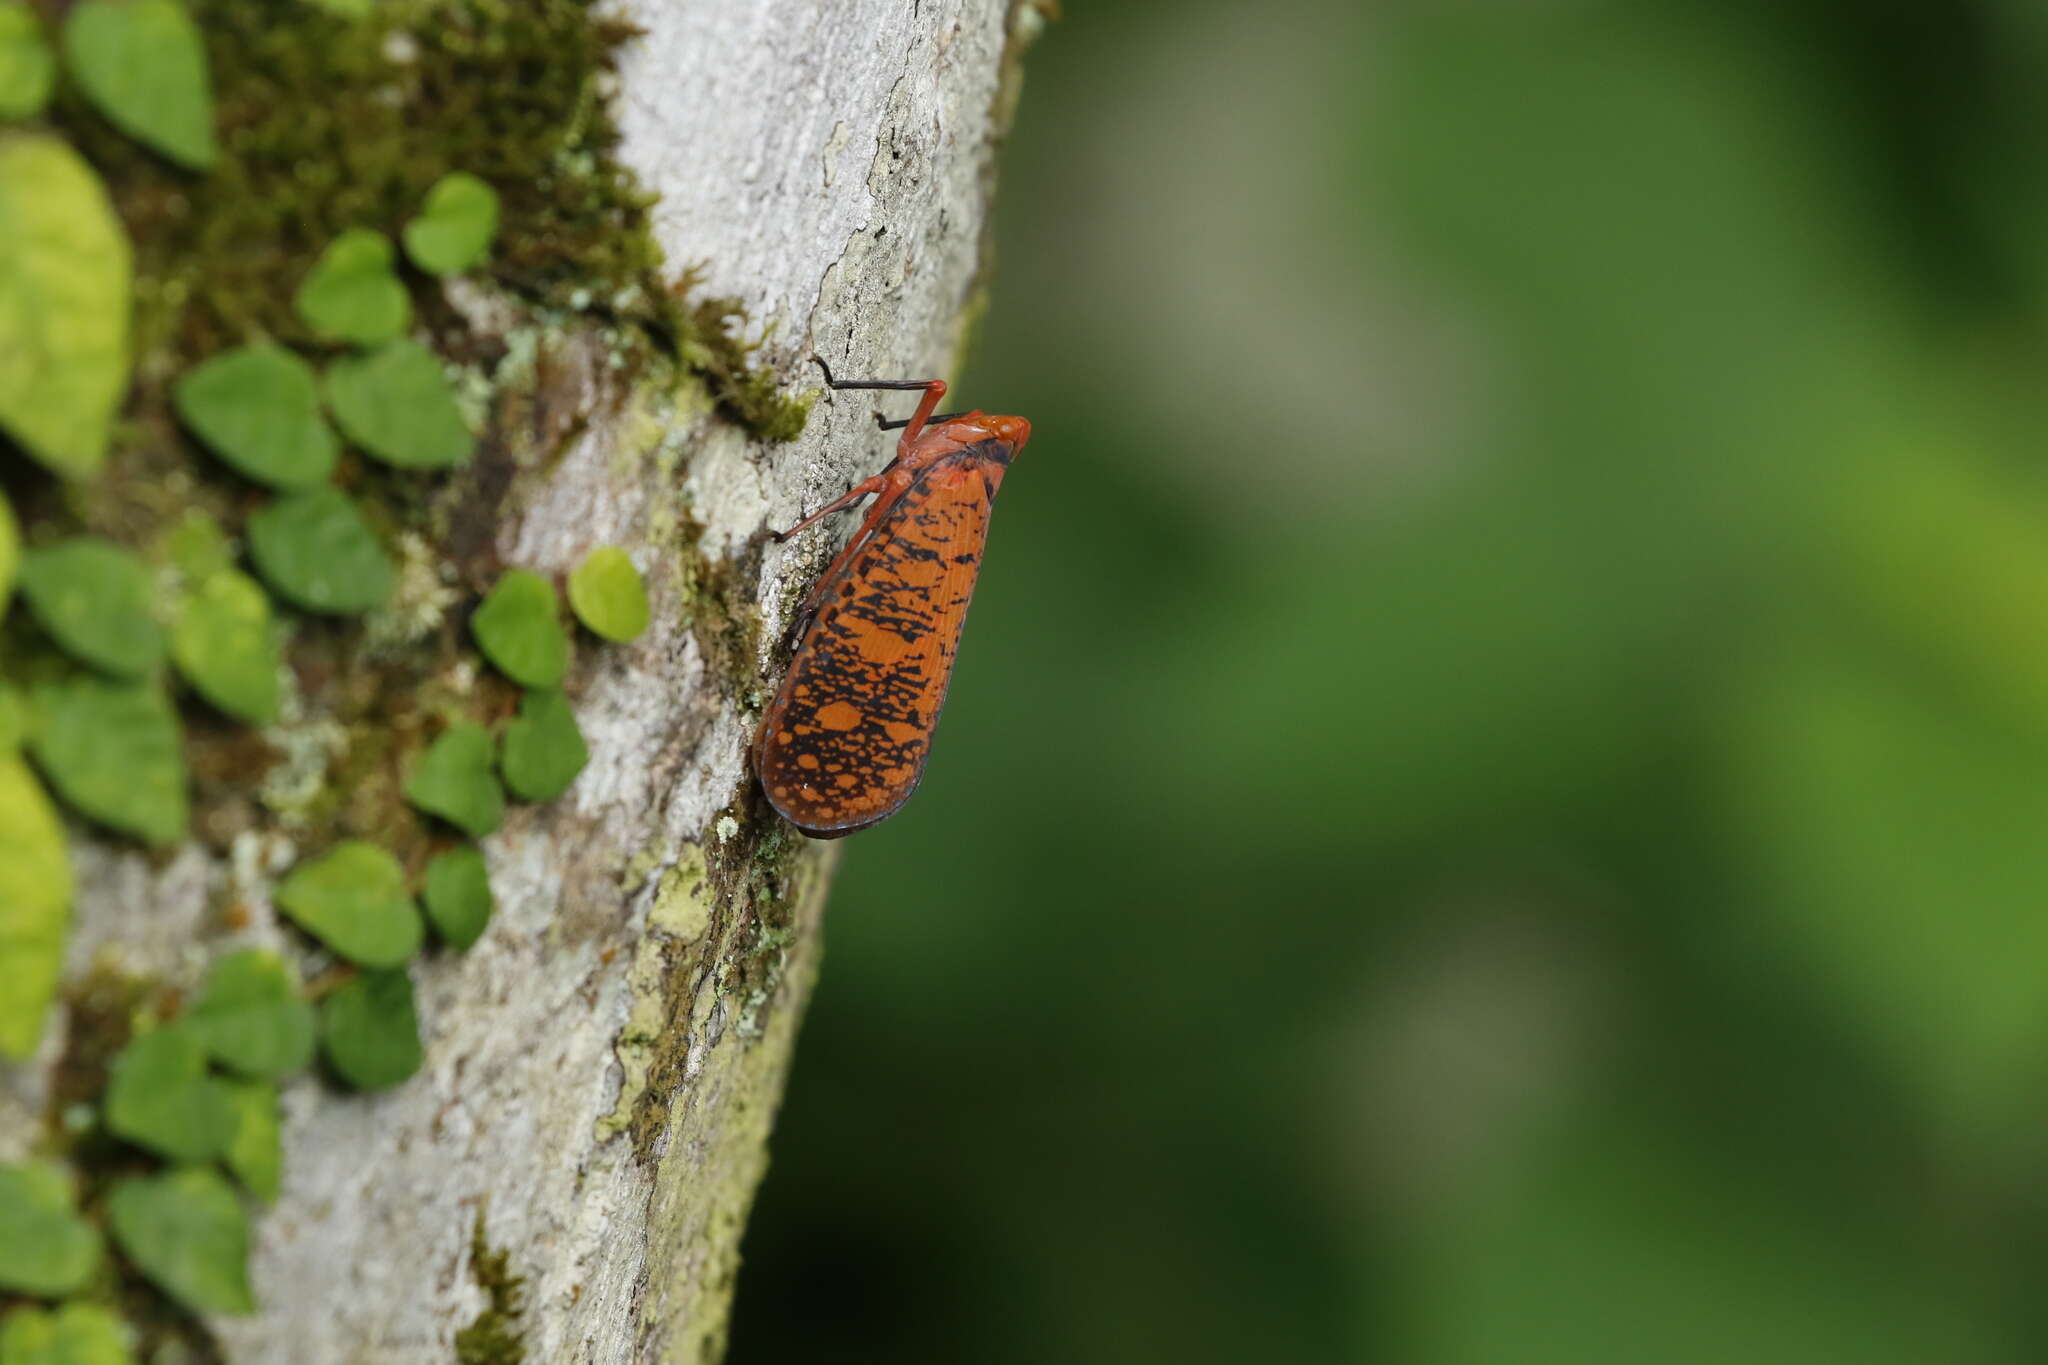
pixel 851 496
pixel 934 390
pixel 902 422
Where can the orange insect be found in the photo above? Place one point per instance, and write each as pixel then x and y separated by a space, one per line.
pixel 844 743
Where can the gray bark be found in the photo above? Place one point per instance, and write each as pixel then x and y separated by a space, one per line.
pixel 603 1067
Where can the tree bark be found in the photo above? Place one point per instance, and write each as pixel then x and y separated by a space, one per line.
pixel 604 1065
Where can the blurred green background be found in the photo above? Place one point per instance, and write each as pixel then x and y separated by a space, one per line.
pixel 1495 806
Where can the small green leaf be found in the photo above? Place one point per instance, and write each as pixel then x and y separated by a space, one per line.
pixel 36 911
pixel 607 594
pixel 352 898
pixel 114 752
pixel 251 1018
pixel 518 630
pixel 225 646
pixel 397 406
pixel 195 546
pixel 160 1097
pixel 48 1250
pixel 370 1030
pixel 255 1154
pixel 143 65
pixel 454 230
pixel 543 749
pixel 27 66
pixel 454 780
pixel 458 895
pixel 72 1334
pixel 93 597
pixel 64 283
pixel 317 552
pixel 352 294
pixel 186 1231
pixel 258 408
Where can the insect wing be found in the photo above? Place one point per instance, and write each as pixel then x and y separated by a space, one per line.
pixel 845 742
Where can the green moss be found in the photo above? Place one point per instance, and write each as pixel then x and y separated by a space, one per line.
pixel 718 605
pixel 724 357
pixel 494 1337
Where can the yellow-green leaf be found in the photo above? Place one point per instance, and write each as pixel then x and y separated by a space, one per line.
pixel 71 1334
pixel 608 595
pixel 256 1152
pixel 226 646
pixel 64 290
pixel 27 66
pixel 36 911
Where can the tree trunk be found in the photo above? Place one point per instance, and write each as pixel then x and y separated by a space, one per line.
pixel 603 1067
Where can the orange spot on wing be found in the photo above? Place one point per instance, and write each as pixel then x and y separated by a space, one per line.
pixel 840 715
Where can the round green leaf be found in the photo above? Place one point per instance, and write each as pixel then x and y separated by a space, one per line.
pixel 258 408
pixel 251 1018
pixel 396 405
pixel 518 630
pixel 352 294
pixel 226 648
pixel 318 553
pixel 64 280
pixel 160 1097
pixel 114 752
pixel 36 911
pixel 607 594
pixel 453 779
pixel 255 1154
pixel 49 1250
pixel 543 748
pixel 370 1030
pixel 72 1334
pixel 186 1231
pixel 142 64
pixel 93 597
pixel 27 66
pixel 454 230
pixel 458 895
pixel 352 898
